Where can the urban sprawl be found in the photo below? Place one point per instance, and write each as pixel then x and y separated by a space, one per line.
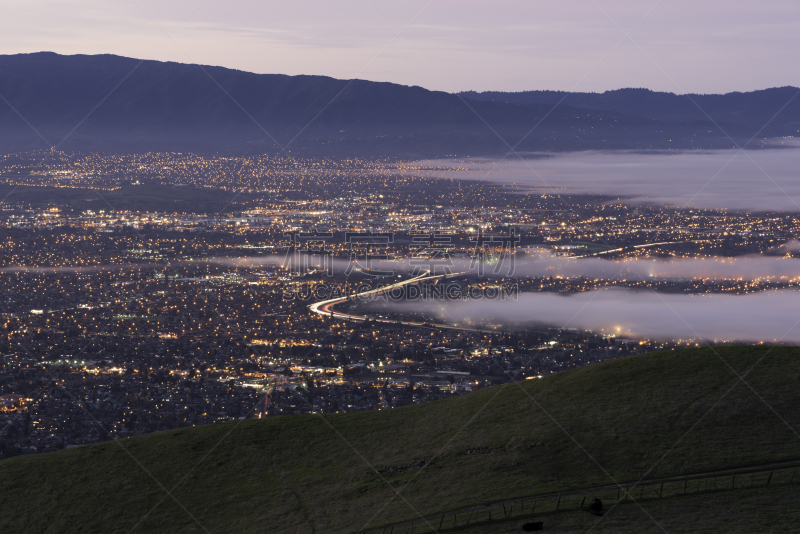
pixel 146 292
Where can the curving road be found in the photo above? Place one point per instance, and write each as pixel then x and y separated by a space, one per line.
pixel 326 307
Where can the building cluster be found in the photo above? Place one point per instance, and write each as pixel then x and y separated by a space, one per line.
pixel 123 314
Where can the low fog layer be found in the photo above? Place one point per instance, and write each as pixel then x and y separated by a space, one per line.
pixel 755 180
pixel 741 268
pixel 539 263
pixel 543 264
pixel 766 316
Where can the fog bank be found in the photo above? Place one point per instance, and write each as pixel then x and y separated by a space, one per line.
pixel 766 316
pixel 751 267
pixel 757 180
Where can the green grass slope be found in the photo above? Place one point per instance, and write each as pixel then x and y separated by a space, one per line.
pixel 660 414
pixel 747 510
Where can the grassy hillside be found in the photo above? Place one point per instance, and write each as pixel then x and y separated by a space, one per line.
pixel 772 509
pixel 591 426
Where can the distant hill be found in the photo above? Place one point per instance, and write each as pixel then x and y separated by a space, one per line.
pixel 743 111
pixel 151 105
pixel 659 414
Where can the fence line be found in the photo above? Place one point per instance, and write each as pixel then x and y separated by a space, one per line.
pixel 726 480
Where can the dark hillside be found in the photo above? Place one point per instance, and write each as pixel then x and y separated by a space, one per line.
pixel 659 414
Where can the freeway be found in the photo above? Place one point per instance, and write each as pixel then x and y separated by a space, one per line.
pixel 326 307
pixel 645 245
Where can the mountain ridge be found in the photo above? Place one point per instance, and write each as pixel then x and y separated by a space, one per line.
pixel 109 102
pixel 661 105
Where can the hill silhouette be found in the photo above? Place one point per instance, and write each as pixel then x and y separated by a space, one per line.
pixel 742 112
pixel 116 103
pixel 653 415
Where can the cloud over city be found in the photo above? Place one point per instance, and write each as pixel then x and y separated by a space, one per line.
pixel 757 180
pixel 768 316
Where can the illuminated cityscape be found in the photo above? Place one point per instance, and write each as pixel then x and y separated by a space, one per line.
pixel 399 267
pixel 159 312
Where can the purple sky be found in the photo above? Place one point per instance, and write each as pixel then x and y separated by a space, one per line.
pixel 674 45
